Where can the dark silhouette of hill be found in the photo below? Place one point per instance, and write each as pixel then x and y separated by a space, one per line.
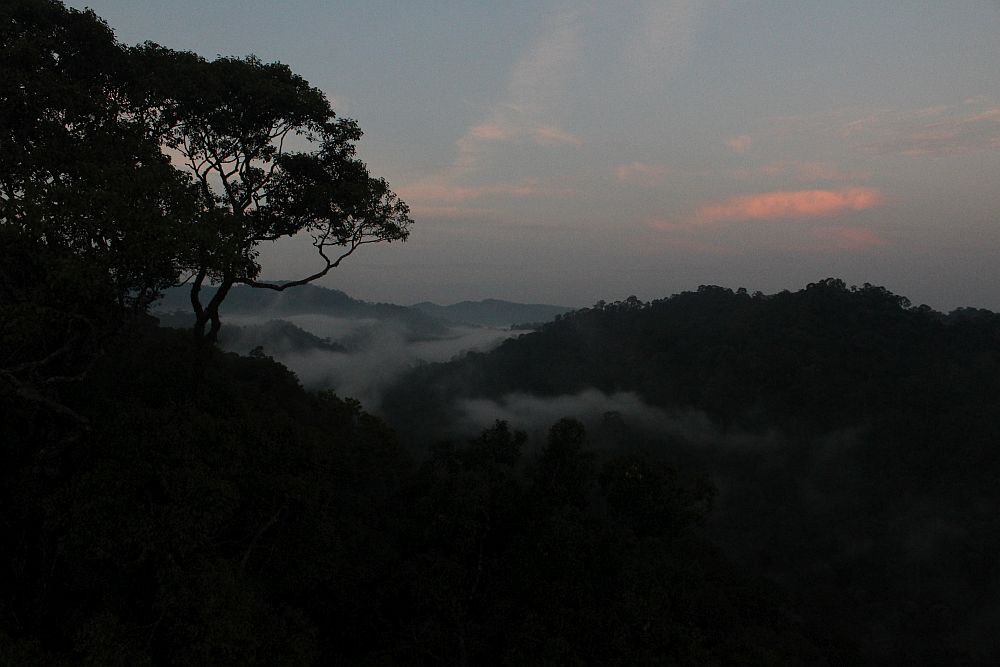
pixel 274 337
pixel 821 358
pixel 853 438
pixel 211 511
pixel 310 299
pixel 492 312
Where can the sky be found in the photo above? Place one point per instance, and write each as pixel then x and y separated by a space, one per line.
pixel 570 152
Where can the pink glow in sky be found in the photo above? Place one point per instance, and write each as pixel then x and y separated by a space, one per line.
pixel 790 205
pixel 570 151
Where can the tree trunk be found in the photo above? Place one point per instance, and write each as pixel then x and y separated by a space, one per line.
pixel 208 314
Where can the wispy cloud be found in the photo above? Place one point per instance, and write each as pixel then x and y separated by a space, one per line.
pixel 540 76
pixel 784 205
pixel 801 218
pixel 527 115
pixel 664 36
pixel 530 123
pixel 931 131
pixel 529 110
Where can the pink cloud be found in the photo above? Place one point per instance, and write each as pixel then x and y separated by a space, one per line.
pixel 552 135
pixel 787 205
pixel 642 173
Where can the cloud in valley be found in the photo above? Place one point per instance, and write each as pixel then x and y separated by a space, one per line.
pixel 380 351
pixel 535 414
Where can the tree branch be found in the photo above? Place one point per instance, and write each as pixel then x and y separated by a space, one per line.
pixel 330 265
pixel 29 393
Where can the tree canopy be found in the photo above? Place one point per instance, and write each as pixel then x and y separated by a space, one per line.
pixel 92 214
pixel 90 129
pixel 81 173
pixel 232 122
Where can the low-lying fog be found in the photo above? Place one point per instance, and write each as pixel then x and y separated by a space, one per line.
pixel 378 351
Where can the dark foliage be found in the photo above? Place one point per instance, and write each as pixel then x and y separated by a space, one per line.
pixel 854 436
pixel 219 514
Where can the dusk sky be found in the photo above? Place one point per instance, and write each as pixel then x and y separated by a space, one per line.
pixel 567 152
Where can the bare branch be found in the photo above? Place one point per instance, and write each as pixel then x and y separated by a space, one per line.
pixel 330 265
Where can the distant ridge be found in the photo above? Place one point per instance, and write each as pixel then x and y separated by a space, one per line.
pixel 315 299
pixel 492 312
pixel 301 299
pixel 308 299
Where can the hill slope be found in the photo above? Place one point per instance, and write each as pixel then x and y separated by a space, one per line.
pixel 853 438
pixel 211 511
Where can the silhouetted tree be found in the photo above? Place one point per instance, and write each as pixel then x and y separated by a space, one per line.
pixel 84 124
pixel 235 123
pixel 92 215
pixel 80 173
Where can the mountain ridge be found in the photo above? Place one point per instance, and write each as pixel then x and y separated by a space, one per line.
pixel 493 312
pixel 425 315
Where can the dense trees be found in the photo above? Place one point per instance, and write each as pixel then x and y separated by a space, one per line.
pixel 853 438
pixel 80 173
pixel 824 357
pixel 92 215
pixel 239 519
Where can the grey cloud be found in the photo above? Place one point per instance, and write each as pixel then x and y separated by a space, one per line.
pixel 379 352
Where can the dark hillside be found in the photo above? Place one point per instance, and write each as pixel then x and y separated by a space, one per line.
pixel 855 441
pixel 210 511
pixel 821 358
